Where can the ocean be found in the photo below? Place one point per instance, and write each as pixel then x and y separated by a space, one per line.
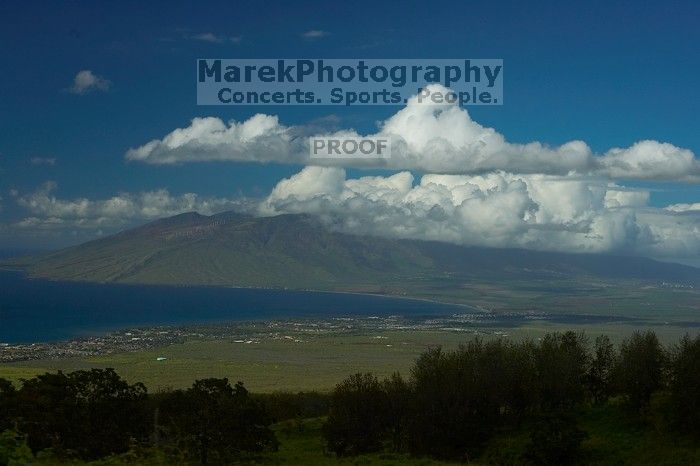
pixel 34 310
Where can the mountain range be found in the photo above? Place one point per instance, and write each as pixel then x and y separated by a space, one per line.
pixel 299 252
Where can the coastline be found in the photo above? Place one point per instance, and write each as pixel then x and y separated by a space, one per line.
pixel 29 275
pixel 97 308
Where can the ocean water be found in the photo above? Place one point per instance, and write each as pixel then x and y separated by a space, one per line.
pixel 42 310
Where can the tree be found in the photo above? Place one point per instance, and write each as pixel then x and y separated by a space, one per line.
pixel 398 409
pixel 357 422
pixel 214 422
pixel 8 400
pixel 286 405
pixel 684 385
pixel 521 381
pixel 458 399
pixel 92 413
pixel 562 362
pixel 600 379
pixel 114 412
pixel 639 370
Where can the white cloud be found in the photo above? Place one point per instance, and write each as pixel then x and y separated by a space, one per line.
pixel 209 37
pixel 618 196
pixel 426 138
pixel 444 139
pixel 216 38
pixel 542 212
pixel 476 188
pixel 314 34
pixel 695 207
pixel 43 161
pixel 260 138
pixel 48 211
pixel 86 81
pixel 652 160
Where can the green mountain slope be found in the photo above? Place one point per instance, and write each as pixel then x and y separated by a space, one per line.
pixel 227 249
pixel 296 251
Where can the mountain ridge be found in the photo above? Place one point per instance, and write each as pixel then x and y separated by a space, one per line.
pixel 298 251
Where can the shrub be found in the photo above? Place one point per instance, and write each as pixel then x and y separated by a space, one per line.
pixel 555 441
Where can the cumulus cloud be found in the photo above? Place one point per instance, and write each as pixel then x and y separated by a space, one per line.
pixel 541 212
pixel 260 138
pixel 694 207
pixel 428 138
pixel 460 182
pixel 670 234
pixel 48 211
pixel 86 81
pixel 651 160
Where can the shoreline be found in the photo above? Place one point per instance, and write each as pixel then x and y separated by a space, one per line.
pixel 234 287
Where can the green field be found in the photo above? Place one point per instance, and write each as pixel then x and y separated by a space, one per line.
pixel 627 298
pixel 315 363
pixel 270 365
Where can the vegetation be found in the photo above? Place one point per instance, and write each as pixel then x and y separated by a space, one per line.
pixel 295 251
pixel 684 385
pixel 94 414
pixel 212 422
pixel 455 403
pixel 316 364
pixel 89 414
pixel 559 400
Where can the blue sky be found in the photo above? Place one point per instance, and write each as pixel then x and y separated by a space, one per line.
pixel 608 73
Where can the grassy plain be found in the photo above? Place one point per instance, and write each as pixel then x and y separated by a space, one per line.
pixel 312 362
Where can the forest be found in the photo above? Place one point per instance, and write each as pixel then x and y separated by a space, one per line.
pixel 450 407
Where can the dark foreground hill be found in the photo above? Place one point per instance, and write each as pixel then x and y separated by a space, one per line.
pixel 296 251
